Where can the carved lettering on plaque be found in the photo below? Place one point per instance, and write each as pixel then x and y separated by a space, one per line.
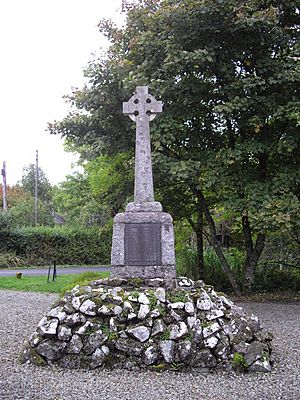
pixel 143 244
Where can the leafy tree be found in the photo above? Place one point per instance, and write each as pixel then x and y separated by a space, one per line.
pixel 28 183
pixel 228 73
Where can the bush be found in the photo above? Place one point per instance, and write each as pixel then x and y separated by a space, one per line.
pixel 41 245
pixel 270 276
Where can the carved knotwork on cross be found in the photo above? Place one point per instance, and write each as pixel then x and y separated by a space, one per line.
pixel 142 108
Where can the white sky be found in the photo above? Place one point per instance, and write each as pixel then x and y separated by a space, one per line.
pixel 44 47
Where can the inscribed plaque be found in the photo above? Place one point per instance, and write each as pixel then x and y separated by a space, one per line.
pixel 143 244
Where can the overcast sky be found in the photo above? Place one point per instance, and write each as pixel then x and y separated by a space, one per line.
pixel 45 45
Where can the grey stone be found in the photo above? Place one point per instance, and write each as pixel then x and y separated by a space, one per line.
pixel 58 312
pixel 35 339
pixel 83 329
pixel 64 333
pixel 178 330
pixel 75 319
pixel 151 355
pixel 143 311
pixel 260 366
pixel 141 333
pixel 211 342
pixel 97 358
pixel 88 307
pixel 75 345
pixel 204 303
pixel 183 351
pixel 179 305
pixel 211 329
pixel 160 294
pixel 94 341
pixel 51 349
pixel 189 307
pixel 48 327
pixel 129 346
pixel 167 350
pixel 255 352
pixel 175 315
pixel 158 327
pixel 214 314
pixel 182 281
pixel 203 359
pixel 143 299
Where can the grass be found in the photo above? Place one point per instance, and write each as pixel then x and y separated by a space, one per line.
pixel 40 284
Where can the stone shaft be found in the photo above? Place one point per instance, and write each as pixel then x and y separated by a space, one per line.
pixel 142 108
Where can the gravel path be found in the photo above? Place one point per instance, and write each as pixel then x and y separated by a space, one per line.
pixel 20 312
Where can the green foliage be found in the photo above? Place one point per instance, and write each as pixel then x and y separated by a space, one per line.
pixel 28 183
pixel 228 73
pixel 39 246
pixel 239 363
pixel 270 275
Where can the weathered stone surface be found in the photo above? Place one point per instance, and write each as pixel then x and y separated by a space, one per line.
pixel 183 350
pixel 75 345
pixel 143 299
pixel 260 366
pixel 48 327
pixel 141 333
pixel 59 313
pixel 203 359
pixel 94 341
pixel 189 307
pixel 98 358
pixel 255 351
pixel 151 355
pixel 75 319
pixel 52 350
pixel 64 333
pixel 178 330
pixel 160 294
pixel 204 303
pixel 129 346
pixel 134 335
pixel 167 350
pixel 158 327
pixel 211 329
pixel 88 307
pixel 143 311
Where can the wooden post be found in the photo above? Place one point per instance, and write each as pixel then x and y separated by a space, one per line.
pixel 4 191
pixel 36 188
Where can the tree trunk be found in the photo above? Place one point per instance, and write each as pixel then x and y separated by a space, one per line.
pixel 215 244
pixel 199 235
pixel 253 253
pixel 198 229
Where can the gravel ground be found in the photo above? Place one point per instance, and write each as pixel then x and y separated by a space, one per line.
pixel 20 312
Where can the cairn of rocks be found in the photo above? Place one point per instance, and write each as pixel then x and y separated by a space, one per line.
pixel 153 324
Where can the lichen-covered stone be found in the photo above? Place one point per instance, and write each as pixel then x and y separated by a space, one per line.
pixel 141 333
pixel 150 355
pixel 105 325
pixel 167 350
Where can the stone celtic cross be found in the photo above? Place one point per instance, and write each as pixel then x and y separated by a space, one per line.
pixel 142 108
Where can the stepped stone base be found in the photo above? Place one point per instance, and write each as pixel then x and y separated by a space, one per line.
pixel 175 324
pixel 143 243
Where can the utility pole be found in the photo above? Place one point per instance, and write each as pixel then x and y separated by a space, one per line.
pixel 36 194
pixel 4 192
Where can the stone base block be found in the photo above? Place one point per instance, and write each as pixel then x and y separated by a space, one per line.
pixel 147 272
pixel 143 244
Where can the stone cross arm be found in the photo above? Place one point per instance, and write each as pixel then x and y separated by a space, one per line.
pixel 142 104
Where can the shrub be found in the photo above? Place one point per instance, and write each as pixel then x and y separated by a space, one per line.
pixel 41 245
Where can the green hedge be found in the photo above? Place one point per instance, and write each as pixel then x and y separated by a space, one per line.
pixel 41 245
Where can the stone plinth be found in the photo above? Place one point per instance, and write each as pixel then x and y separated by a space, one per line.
pixel 143 243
